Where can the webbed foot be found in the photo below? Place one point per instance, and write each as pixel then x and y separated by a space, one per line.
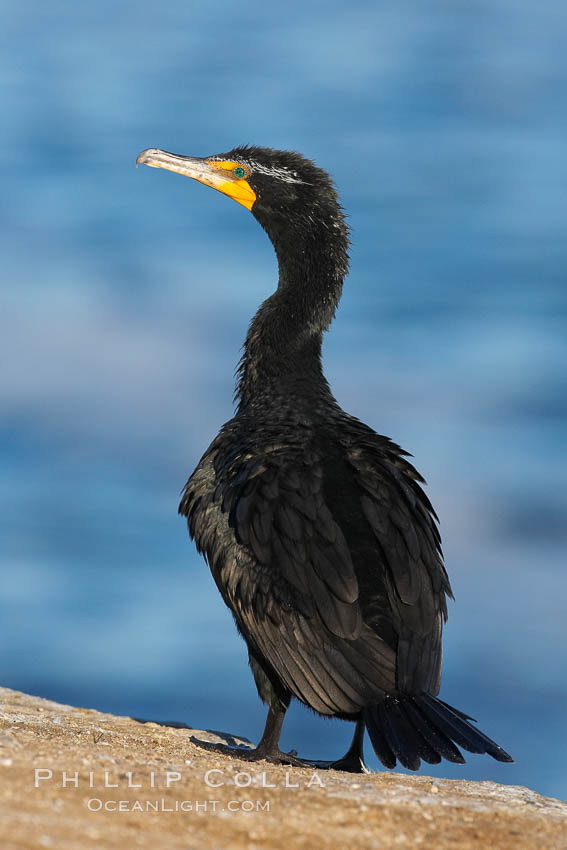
pixel 271 754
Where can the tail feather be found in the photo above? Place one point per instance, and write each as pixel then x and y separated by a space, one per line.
pixel 456 710
pixel 374 724
pixel 461 731
pixel 441 745
pixel 414 745
pixel 401 737
pixel 408 728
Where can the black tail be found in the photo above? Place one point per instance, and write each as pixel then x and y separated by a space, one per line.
pixel 420 726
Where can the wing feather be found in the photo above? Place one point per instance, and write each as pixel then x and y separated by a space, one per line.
pixel 408 545
pixel 340 590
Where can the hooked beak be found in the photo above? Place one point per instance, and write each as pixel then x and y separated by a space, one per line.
pixel 219 175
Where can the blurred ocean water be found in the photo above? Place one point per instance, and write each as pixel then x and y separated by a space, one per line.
pixel 125 296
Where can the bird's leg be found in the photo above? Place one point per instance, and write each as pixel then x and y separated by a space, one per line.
pixel 353 759
pixel 272 694
pixel 267 749
pixel 272 730
pixel 278 700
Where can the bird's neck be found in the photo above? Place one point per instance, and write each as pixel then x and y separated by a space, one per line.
pixel 282 351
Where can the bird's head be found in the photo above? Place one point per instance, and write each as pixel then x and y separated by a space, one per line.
pixel 284 191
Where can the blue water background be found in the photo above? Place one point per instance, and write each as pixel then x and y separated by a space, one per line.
pixel 125 296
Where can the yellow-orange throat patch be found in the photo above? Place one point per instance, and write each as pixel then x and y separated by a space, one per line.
pixel 236 186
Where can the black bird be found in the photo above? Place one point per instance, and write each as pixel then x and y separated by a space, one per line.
pixel 316 530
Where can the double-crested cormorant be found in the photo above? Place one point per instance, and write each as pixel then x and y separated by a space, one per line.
pixel 317 532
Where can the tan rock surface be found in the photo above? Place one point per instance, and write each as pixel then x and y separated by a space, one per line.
pixel 59 768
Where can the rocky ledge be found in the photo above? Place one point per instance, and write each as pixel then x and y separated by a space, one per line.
pixel 73 778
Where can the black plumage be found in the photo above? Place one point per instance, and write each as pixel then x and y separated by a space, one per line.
pixel 317 532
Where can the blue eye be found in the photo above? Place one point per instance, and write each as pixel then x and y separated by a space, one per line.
pixel 239 172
